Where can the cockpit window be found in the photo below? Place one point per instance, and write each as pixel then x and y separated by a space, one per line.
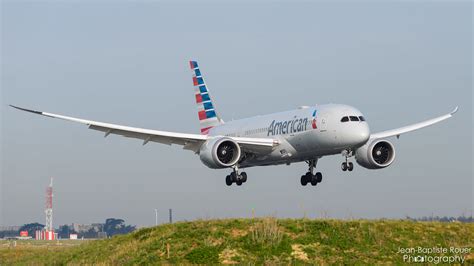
pixel 345 119
pixel 361 118
pixel 354 118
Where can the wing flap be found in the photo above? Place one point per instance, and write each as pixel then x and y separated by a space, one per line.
pixel 257 145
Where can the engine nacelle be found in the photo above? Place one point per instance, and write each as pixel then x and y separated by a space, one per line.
pixel 220 153
pixel 375 154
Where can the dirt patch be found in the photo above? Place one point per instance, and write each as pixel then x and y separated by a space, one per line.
pixel 226 256
pixel 214 242
pixel 323 235
pixel 238 233
pixel 298 253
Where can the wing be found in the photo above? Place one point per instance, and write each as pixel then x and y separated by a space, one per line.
pixel 397 132
pixel 188 141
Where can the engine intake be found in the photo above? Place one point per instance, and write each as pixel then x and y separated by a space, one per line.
pixel 375 154
pixel 220 153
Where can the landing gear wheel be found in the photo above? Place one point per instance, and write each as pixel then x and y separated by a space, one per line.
pixel 344 166
pixel 350 166
pixel 244 177
pixel 304 182
pixel 233 177
pixel 309 177
pixel 319 177
pixel 228 180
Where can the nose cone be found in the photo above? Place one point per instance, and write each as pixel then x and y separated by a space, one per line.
pixel 363 134
pixel 355 135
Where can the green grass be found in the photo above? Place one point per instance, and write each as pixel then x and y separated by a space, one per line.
pixel 257 241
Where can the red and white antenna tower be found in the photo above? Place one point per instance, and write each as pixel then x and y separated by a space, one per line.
pixel 49 207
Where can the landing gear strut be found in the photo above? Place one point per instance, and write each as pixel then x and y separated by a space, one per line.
pixel 235 177
pixel 347 166
pixel 309 177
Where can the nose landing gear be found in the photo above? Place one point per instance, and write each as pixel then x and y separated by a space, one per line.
pixel 347 166
pixel 309 177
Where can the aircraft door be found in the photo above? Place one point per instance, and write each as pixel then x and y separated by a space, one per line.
pixel 323 121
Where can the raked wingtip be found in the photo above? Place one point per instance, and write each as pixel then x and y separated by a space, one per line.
pixel 26 110
pixel 455 110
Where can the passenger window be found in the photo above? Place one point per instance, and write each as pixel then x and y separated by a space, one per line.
pixel 361 118
pixel 354 118
pixel 345 119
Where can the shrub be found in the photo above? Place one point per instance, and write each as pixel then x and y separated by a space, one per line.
pixel 203 255
pixel 267 232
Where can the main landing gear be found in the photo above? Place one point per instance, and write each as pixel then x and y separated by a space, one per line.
pixel 309 177
pixel 235 177
pixel 347 166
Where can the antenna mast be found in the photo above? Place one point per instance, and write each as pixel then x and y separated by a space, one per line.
pixel 49 207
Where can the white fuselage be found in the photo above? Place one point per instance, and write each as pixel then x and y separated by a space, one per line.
pixel 304 134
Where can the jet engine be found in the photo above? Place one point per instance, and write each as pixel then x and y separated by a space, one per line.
pixel 375 154
pixel 220 153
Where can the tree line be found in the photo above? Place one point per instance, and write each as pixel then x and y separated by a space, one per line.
pixel 111 227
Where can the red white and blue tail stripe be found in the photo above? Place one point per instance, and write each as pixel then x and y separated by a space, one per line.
pixel 208 117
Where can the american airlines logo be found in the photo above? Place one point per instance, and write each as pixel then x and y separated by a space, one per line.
pixel 286 127
pixel 315 126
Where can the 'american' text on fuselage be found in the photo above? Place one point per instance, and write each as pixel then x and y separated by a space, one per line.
pixel 285 127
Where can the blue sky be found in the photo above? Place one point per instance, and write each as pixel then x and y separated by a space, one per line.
pixel 126 63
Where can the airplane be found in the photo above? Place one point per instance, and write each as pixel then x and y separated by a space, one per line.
pixel 305 134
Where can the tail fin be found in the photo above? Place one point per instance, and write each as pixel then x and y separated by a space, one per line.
pixel 208 117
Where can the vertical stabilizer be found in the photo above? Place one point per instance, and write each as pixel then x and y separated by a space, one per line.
pixel 207 114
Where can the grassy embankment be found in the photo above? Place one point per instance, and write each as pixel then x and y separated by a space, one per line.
pixel 254 241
